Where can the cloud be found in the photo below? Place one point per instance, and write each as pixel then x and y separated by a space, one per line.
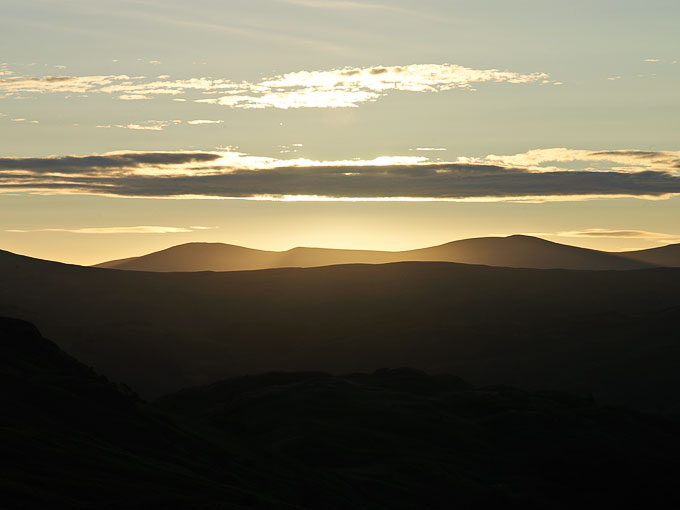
pixel 625 160
pixel 338 88
pixel 123 162
pixel 203 121
pixel 652 60
pixel 429 149
pixel 335 4
pixel 21 119
pixel 598 232
pixel 290 149
pixel 147 125
pixel 120 85
pixel 348 87
pixel 237 175
pixel 54 84
pixel 347 5
pixel 144 229
pixel 133 97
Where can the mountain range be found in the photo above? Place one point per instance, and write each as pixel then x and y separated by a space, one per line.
pixel 513 251
pixel 610 334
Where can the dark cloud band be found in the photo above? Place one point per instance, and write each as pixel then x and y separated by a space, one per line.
pixel 94 164
pixel 116 175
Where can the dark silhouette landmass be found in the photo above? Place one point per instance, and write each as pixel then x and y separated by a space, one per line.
pixel 71 439
pixel 513 251
pixel 390 439
pixel 610 334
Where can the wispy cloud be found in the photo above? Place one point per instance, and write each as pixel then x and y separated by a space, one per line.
pixel 133 97
pixel 119 85
pixel 204 121
pixel 622 234
pixel 347 5
pixel 337 4
pixel 237 175
pixel 540 160
pixel 147 125
pixel 55 84
pixel 143 229
pixel 337 88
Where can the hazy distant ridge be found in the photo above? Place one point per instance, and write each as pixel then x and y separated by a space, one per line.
pixel 513 251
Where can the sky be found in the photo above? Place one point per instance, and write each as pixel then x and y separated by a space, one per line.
pixel 131 126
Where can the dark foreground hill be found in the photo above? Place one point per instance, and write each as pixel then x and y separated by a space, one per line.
pixel 612 334
pixel 70 439
pixel 512 251
pixel 387 440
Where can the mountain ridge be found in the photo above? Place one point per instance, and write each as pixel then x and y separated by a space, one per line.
pixel 576 331
pixel 518 250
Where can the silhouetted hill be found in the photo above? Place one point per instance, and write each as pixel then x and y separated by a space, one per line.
pixel 668 256
pixel 403 439
pixel 612 334
pixel 197 257
pixel 70 439
pixel 390 439
pixel 512 251
pixel 523 252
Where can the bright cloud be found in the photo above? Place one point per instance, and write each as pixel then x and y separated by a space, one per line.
pixel 203 121
pixel 624 160
pixel 338 88
pixel 143 229
pixel 623 234
pixel 53 84
pixel 348 87
pixel 148 125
